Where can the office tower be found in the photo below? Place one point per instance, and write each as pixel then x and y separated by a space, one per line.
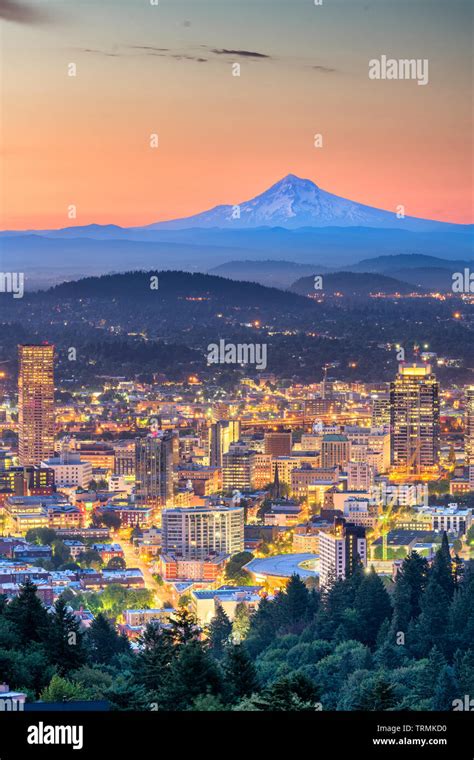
pixel 196 533
pixel 360 476
pixel 414 419
pixel 469 426
pixel 124 458
pixel 221 435
pixel 35 404
pixel 69 469
pixel 27 481
pixel 239 468
pixel 278 444
pixel 154 469
pixel 340 549
pixel 380 411
pixel 335 450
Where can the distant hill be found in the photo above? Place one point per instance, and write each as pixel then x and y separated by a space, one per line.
pixel 400 262
pixel 52 256
pixel 353 283
pixel 172 286
pixel 279 274
pixel 428 272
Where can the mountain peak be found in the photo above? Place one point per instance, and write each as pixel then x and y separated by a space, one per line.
pixel 292 202
pixel 293 181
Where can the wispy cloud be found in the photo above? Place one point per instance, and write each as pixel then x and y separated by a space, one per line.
pixel 324 69
pixel 147 50
pixel 22 13
pixel 239 53
pixel 202 54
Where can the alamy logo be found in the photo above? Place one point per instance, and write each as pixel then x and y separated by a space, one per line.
pixel 402 68
pixel 466 704
pixel 42 734
pixel 12 282
pixel 237 353
pixel 401 495
pixel 463 282
pixel 11 705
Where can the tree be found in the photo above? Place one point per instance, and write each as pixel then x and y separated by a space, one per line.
pixel 90 558
pixel 294 606
pixel 446 689
pixel 65 640
pixel 28 614
pixel 103 641
pixel 218 632
pixel 372 607
pixel 376 693
pixel 62 690
pixel 61 554
pixel 294 693
pixel 153 661
pixel 233 571
pixel 110 520
pixel 410 584
pixel 116 563
pixel 240 672
pixel 184 627
pixel 432 625
pixel 241 622
pixel 41 536
pixel 193 673
pixel 263 627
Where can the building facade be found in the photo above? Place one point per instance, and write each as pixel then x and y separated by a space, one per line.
pixel 35 404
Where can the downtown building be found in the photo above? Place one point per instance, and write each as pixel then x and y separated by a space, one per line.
pixel 469 426
pixel 36 421
pixel 335 451
pixel 154 457
pixel 414 419
pixel 239 468
pixel 221 435
pixel 340 550
pixel 199 532
pixel 197 542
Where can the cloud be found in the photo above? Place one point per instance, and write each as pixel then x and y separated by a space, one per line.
pixel 324 69
pixel 22 13
pixel 146 50
pixel 241 53
pixel 100 52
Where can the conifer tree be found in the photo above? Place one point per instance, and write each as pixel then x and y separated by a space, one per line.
pixel 219 632
pixel 240 672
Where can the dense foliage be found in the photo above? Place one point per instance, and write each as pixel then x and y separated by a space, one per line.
pixel 365 644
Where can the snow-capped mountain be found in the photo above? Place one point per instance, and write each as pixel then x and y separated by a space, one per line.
pixel 293 202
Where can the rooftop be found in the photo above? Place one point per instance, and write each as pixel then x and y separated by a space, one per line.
pixel 285 565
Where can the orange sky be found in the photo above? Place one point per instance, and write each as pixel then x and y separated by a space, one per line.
pixel 223 139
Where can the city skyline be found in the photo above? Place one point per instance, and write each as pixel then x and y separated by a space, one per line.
pixel 236 371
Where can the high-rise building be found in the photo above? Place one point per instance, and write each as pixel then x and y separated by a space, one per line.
pixel 124 458
pixel 239 468
pixel 335 450
pixel 221 435
pixel 380 411
pixel 414 418
pixel 197 533
pixel 154 469
pixel 35 404
pixel 469 426
pixel 340 549
pixel 278 444
pixel 360 476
